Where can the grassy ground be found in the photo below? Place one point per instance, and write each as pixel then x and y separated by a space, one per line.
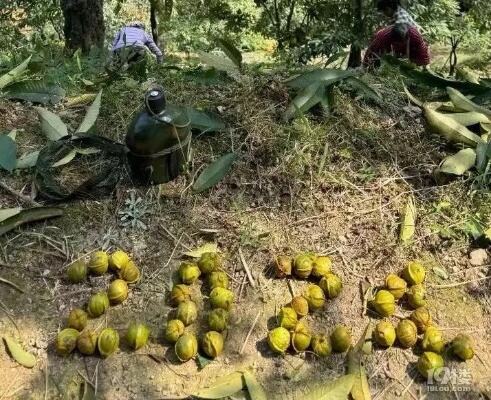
pixel 334 185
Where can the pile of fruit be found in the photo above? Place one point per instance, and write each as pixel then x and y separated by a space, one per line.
pixel 209 266
pixel 293 331
pixel 419 322
pixel 77 334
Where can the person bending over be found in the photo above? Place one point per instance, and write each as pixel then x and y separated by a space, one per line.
pixel 130 45
pixel 402 38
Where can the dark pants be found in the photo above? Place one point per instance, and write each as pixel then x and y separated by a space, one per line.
pixel 125 58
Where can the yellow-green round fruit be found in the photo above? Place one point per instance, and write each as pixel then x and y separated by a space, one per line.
pixel 174 330
pixel 332 285
pixel 77 319
pixel 279 340
pixel 186 347
pixel 321 266
pixel 301 336
pixel 283 266
pixel 407 333
pixel 433 340
pixel 108 342
pixel 87 342
pixel 421 318
pixel 118 260
pixel 315 297
pixel 187 312
pixel 340 339
pixel 395 285
pixel 189 273
pixel 130 272
pixel 429 363
pixel 218 279
pixel 287 318
pixel 462 347
pixel 300 305
pixel 302 266
pixel 221 298
pixel 416 296
pixel 66 341
pixel 209 262
pixel 384 303
pixel 77 272
pixel 212 344
pixel 137 335
pixel 218 319
pixel 98 304
pixel 98 263
pixel 321 345
pixel 117 291
pixel 384 334
pixel 179 294
pixel 414 273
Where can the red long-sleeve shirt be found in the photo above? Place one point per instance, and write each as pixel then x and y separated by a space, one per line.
pixel 386 42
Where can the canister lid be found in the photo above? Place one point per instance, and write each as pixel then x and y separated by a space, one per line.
pixel 155 101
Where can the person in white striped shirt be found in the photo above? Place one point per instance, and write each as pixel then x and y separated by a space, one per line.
pixel 130 45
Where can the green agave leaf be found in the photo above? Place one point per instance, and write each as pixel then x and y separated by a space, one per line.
pixel 6 213
pixel 220 63
pixel 483 156
pixel 222 387
pixel 91 115
pixel 305 100
pixel 469 118
pixel 325 76
pixel 19 354
pixel 363 88
pixel 428 78
pixel 35 92
pixel 460 101
pixel 459 163
pixel 29 215
pixel 8 150
pixel 204 121
pixel 336 390
pixel 450 129
pixel 467 75
pixel 28 160
pixel 230 50
pixel 408 225
pixel 52 125
pixel 256 391
pixel 14 74
pixel 214 173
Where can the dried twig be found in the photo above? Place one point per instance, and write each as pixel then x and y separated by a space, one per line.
pixel 20 196
pixel 250 332
pixel 452 285
pixel 246 267
pixel 7 282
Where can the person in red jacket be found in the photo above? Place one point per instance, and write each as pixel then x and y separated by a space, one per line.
pixel 401 39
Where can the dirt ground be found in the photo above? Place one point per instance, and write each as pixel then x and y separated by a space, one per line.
pixel 277 200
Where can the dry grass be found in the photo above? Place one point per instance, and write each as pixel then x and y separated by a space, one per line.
pixel 334 186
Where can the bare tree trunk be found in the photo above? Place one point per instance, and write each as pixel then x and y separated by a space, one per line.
pixel 354 60
pixel 84 24
pixel 154 20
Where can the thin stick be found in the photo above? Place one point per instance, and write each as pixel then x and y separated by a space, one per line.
pixel 7 282
pixel 46 380
pixel 406 390
pixel 250 332
pixel 9 316
pixel 173 237
pixel 246 267
pixel 451 285
pixel 96 372
pixel 19 195
pixel 169 260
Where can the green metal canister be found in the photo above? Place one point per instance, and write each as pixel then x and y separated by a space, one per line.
pixel 158 140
